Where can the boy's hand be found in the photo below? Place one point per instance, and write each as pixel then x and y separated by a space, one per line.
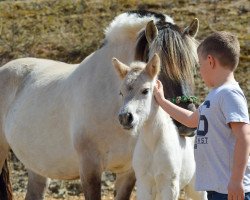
pixel 235 190
pixel 158 91
pixel 241 132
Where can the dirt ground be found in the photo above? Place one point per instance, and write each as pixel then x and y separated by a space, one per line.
pixel 34 28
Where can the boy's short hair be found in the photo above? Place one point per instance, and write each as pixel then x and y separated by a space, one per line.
pixel 224 46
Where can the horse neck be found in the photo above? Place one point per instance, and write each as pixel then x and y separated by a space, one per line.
pixel 123 50
pixel 158 126
pixel 102 58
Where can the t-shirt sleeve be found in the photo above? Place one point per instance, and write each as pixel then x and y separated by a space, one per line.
pixel 234 106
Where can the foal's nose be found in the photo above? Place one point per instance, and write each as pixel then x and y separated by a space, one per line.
pixel 126 119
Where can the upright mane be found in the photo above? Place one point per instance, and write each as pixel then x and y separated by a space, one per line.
pixel 127 25
pixel 176 49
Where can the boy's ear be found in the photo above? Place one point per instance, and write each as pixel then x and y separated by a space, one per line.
pixel 153 67
pixel 120 67
pixel 211 60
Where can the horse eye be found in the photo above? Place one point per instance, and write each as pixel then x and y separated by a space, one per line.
pixel 145 91
pixel 121 94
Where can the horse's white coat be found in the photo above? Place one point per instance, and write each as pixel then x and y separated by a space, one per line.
pixel 58 117
pixel 163 161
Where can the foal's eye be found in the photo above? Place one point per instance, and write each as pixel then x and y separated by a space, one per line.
pixel 120 93
pixel 145 91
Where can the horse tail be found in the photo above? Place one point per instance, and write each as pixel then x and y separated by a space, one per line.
pixel 5 185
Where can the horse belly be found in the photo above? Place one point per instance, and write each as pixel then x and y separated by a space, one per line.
pixel 44 155
pixel 39 135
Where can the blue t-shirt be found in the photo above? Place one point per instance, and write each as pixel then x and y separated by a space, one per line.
pixel 214 145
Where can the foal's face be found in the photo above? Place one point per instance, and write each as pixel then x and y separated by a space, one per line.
pixel 137 92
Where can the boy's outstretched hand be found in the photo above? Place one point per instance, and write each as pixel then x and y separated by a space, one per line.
pixel 158 92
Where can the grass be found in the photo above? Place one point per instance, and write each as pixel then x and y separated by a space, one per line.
pixel 69 30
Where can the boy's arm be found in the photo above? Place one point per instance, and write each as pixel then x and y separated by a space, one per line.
pixel 241 156
pixel 186 117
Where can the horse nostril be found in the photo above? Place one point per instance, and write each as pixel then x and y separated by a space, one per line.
pixel 129 118
pixel 125 118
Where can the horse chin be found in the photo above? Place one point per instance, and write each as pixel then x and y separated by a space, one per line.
pixel 185 131
pixel 129 128
pixel 132 129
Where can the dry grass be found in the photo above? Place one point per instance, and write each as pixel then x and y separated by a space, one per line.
pixel 69 30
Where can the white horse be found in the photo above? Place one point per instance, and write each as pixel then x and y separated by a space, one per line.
pixel 163 160
pixel 60 120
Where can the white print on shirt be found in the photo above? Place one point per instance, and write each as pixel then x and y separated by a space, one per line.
pixel 202 129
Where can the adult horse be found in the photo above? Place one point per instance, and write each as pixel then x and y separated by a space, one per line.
pixel 60 120
pixel 159 174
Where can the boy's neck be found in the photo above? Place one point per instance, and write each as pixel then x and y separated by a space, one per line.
pixel 223 76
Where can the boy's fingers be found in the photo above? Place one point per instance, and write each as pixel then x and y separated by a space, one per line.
pixel 156 85
pixel 159 84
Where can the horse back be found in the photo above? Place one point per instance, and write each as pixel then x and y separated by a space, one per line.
pixel 14 75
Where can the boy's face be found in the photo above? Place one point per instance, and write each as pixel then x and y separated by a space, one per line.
pixel 206 69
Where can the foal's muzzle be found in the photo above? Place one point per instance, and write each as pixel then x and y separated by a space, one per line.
pixel 126 120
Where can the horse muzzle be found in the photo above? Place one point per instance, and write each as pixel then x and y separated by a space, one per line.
pixel 126 120
pixel 184 130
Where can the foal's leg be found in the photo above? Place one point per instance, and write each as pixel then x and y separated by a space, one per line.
pixel 146 189
pixel 37 186
pixel 124 185
pixel 167 187
pixel 190 192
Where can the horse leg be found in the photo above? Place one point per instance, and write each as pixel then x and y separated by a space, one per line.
pixel 91 180
pixel 167 188
pixel 90 166
pixel 5 185
pixel 37 186
pixel 191 193
pixel 124 185
pixel 145 189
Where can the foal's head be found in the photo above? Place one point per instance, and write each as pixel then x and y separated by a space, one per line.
pixel 176 48
pixel 137 90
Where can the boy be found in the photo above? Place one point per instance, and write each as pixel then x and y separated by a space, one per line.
pixel 222 143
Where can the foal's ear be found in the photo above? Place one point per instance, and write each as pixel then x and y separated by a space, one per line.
pixel 151 31
pixel 192 29
pixel 121 68
pixel 154 66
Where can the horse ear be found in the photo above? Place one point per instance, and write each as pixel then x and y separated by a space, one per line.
pixel 151 31
pixel 121 68
pixel 153 67
pixel 192 29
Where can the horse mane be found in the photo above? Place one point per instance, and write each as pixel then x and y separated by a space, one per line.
pixel 177 51
pixel 127 25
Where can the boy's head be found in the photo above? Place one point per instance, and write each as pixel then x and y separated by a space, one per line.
pixel 224 47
